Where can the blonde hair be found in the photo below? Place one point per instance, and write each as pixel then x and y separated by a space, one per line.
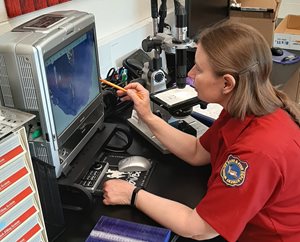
pixel 240 50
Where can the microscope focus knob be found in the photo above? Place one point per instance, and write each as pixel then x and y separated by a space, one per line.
pixel 150 44
pixel 157 81
pixel 159 76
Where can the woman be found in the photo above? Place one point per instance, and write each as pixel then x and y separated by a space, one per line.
pixel 253 147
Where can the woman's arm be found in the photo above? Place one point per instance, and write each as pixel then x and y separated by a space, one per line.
pixel 181 219
pixel 183 145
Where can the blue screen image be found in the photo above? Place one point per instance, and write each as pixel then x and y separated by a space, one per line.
pixel 72 78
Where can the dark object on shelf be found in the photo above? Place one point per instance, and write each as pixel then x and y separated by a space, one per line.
pixel 276 51
pixel 287 57
pixel 135 63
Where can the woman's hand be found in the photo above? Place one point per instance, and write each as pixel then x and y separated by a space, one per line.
pixel 117 192
pixel 140 97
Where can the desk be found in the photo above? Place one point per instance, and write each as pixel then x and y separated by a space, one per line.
pixel 171 179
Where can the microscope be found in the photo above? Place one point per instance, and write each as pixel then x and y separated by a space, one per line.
pixel 172 100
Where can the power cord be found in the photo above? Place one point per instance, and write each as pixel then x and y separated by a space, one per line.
pixel 122 135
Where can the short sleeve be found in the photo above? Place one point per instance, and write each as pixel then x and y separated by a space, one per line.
pixel 205 139
pixel 210 135
pixel 228 208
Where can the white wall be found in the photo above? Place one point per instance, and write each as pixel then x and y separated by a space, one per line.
pixel 289 7
pixel 121 24
pixel 111 15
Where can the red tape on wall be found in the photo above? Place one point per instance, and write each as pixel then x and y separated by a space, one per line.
pixel 19 7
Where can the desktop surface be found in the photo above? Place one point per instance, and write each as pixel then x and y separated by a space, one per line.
pixel 171 178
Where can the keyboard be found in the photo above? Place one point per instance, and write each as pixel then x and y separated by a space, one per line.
pixel 94 175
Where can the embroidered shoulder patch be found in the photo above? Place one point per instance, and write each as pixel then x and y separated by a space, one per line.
pixel 233 172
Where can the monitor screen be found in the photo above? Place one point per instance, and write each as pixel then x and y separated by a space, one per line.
pixel 204 13
pixel 72 77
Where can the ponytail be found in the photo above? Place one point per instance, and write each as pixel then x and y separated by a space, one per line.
pixel 292 108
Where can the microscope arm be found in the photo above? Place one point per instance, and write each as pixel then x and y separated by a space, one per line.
pixel 162 16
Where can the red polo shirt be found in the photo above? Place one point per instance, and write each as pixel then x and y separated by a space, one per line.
pixel 254 189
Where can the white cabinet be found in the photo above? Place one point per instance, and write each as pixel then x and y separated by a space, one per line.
pixel 21 217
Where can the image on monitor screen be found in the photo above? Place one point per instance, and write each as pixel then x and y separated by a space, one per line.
pixel 72 78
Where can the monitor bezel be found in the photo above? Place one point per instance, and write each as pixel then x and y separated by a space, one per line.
pixel 85 113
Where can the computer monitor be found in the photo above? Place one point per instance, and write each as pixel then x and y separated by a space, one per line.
pixel 202 14
pixel 72 80
pixel 50 67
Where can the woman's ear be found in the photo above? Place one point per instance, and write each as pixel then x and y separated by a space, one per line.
pixel 229 83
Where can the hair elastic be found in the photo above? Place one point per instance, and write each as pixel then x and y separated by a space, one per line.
pixel 135 191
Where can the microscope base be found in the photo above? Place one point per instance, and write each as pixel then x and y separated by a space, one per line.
pixel 142 128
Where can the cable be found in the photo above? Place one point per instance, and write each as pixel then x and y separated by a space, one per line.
pixel 114 110
pixel 123 148
pixel 29 130
pixel 175 238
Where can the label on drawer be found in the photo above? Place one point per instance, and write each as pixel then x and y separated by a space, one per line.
pixel 15 200
pixel 13 222
pixel 10 149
